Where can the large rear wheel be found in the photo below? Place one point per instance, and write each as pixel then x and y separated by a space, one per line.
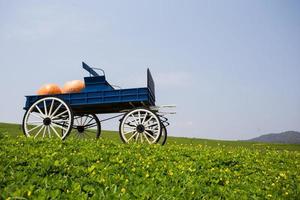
pixel 47 117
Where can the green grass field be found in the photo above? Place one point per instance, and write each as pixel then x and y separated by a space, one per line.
pixel 182 169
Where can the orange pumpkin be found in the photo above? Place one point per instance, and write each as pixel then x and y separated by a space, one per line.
pixel 73 86
pixel 49 89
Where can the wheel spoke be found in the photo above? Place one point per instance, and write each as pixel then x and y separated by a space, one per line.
pixel 59 126
pixel 89 134
pixel 129 125
pixel 91 125
pixel 144 118
pixel 45 108
pixel 34 122
pixel 76 119
pixel 60 120
pixel 37 116
pixel 49 132
pixel 86 117
pixel 35 128
pixel 55 111
pixel 60 114
pixel 148 120
pixel 51 107
pixel 137 137
pixel 79 135
pixel 139 114
pixel 151 125
pixel 55 131
pixel 39 131
pixel 44 131
pixel 132 136
pixel 147 133
pixel 64 124
pixel 136 123
pixel 129 132
pixel 90 120
pixel 127 129
pixel 89 130
pixel 39 110
pixel 152 131
pixel 146 138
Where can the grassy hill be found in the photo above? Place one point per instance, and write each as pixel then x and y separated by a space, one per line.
pixel 288 137
pixel 107 169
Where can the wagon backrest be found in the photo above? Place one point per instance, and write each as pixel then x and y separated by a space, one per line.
pixel 150 83
pixel 90 70
pixel 95 82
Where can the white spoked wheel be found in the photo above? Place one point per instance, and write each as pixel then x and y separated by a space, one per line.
pixel 87 126
pixel 47 117
pixel 140 126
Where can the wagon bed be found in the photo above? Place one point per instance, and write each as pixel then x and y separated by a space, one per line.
pixel 100 97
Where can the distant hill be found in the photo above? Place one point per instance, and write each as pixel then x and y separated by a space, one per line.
pixel 288 137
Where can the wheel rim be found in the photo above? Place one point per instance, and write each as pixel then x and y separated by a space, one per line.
pixel 87 126
pixel 163 137
pixel 140 126
pixel 48 117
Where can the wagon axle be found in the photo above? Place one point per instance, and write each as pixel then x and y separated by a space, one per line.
pixel 140 128
pixel 80 129
pixel 47 121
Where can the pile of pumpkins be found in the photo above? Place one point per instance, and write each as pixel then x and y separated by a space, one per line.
pixel 69 87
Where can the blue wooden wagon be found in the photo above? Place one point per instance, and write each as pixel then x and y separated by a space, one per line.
pixel 62 114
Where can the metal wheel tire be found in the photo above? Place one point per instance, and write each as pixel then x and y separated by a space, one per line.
pixel 84 126
pixel 48 117
pixel 140 126
pixel 164 135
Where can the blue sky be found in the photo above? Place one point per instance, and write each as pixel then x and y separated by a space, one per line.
pixel 231 67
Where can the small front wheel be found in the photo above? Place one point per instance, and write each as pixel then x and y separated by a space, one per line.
pixel 87 126
pixel 140 126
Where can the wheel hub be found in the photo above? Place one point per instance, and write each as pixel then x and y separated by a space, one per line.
pixel 80 129
pixel 140 128
pixel 47 121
